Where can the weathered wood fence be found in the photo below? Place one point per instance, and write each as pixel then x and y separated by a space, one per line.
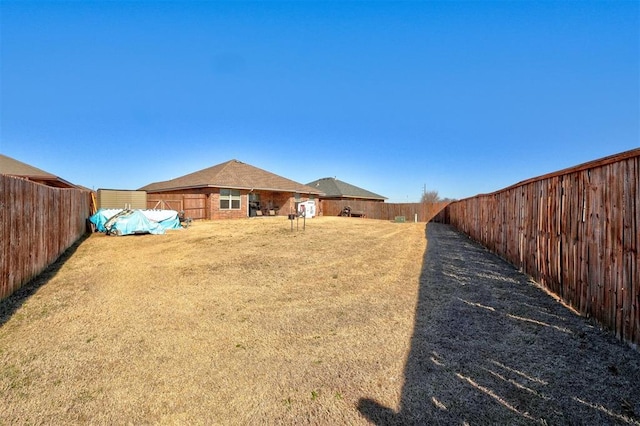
pixel 384 211
pixel 193 205
pixel 37 224
pixel 574 231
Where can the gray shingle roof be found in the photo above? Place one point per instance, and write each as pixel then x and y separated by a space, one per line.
pixel 334 188
pixel 232 174
pixel 13 167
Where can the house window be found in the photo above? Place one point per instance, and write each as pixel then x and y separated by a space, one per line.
pixel 229 199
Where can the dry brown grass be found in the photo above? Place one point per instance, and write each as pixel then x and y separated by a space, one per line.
pixel 349 321
pixel 227 322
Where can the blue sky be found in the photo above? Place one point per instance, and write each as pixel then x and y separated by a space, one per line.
pixel 460 97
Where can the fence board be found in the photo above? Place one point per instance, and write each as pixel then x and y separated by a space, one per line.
pixel 4 253
pixel 384 211
pixel 574 231
pixel 193 205
pixel 37 224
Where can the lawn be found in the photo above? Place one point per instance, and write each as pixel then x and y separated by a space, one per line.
pixel 349 321
pixel 226 322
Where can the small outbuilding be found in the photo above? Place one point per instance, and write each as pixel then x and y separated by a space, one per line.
pixel 121 199
pixel 230 190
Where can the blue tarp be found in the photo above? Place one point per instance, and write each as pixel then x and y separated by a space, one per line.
pixel 168 219
pixel 127 222
pixel 101 217
pixel 132 222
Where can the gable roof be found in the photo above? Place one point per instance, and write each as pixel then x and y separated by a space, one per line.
pixel 233 174
pixel 333 187
pixel 12 167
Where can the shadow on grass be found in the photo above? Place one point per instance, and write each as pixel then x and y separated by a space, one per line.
pixel 11 304
pixel 489 347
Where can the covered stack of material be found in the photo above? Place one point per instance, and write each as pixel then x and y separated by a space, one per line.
pixel 127 222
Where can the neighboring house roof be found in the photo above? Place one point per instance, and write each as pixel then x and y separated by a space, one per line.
pixel 334 188
pixel 233 174
pixel 12 167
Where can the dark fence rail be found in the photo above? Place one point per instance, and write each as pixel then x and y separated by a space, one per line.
pixel 383 211
pixel 574 231
pixel 37 224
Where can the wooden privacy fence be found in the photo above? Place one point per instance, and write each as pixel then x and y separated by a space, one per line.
pixel 37 224
pixel 384 211
pixel 574 231
pixel 193 205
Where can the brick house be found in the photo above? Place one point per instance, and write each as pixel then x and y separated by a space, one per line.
pixel 229 190
pixel 335 189
pixel 342 198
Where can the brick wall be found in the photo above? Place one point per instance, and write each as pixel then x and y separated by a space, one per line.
pixel 205 203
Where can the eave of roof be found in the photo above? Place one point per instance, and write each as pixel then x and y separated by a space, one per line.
pixel 254 188
pixel 359 197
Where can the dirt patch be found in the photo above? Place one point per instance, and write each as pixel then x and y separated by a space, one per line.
pixel 347 322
